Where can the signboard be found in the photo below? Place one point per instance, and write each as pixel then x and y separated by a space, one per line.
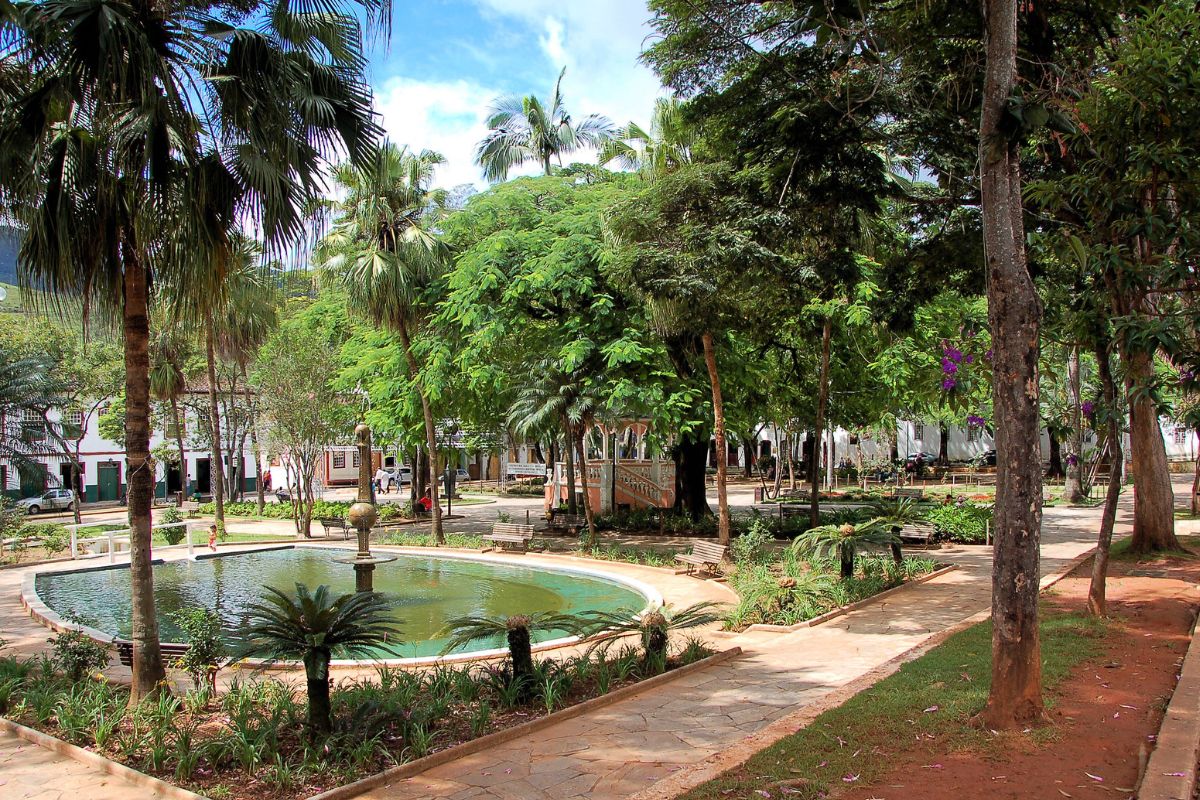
pixel 519 468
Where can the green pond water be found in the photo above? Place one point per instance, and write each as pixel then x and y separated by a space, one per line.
pixel 426 591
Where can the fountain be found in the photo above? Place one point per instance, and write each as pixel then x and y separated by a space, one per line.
pixel 362 516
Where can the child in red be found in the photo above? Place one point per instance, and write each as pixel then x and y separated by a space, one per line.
pixel 212 537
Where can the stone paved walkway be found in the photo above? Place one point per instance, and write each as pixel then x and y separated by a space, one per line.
pixel 625 748
pixel 29 772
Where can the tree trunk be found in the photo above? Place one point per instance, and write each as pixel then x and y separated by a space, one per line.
pixel 569 457
pixel 320 711
pixel 791 465
pixel 253 424
pixel 183 474
pixel 76 488
pixel 583 479
pixel 1195 504
pixel 1055 467
pixel 710 360
pixel 1073 488
pixel 1014 312
pixel 748 455
pixel 1096 604
pixel 943 444
pixel 520 652
pixel 814 474
pixel 1153 499
pixel 217 471
pixel 430 434
pixel 691 497
pixel 148 671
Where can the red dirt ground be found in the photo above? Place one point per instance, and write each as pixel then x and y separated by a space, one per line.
pixel 1105 715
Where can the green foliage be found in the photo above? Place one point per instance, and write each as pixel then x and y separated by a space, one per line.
pixel 653 628
pixel 844 541
pixel 961 521
pixel 168 516
pixel 76 654
pixel 754 544
pixel 206 649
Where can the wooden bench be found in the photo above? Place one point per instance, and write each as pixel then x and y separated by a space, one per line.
pixel 509 535
pixel 335 524
pixel 920 532
pixel 909 494
pixel 794 510
pixel 170 651
pixel 562 521
pixel 706 555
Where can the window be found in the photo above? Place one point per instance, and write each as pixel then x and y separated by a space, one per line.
pixel 73 419
pixel 176 432
pixel 1181 434
pixel 972 433
pixel 919 432
pixel 339 460
pixel 33 425
pixel 356 461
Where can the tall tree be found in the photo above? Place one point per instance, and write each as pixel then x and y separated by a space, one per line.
pixel 170 351
pixel 525 129
pixel 1014 312
pixel 104 128
pixel 385 251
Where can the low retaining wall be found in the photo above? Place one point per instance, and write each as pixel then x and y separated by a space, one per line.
pixel 1171 770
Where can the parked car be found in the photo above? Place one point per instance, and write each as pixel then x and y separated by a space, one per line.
pixel 50 500
pixel 985 459
pixel 402 475
pixel 921 457
pixel 462 475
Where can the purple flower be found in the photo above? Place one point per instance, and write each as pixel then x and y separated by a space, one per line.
pixel 976 420
pixel 1072 459
pixel 949 367
pixel 949 383
pixel 970 359
pixel 1186 375
pixel 988 354
pixel 951 353
pixel 1088 408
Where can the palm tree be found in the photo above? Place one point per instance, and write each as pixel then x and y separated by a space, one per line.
pixel 517 631
pixel 133 135
pixel 525 129
pixel 313 628
pixel 845 541
pixel 384 249
pixel 28 390
pixel 169 352
pixel 665 147
pixel 653 628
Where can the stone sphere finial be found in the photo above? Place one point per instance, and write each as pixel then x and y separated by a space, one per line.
pixel 362 431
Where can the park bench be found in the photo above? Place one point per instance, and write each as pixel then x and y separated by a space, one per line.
pixel 706 555
pixel 793 510
pixel 334 525
pixel 509 535
pixel 919 532
pixel 562 521
pixel 170 651
pixel 909 494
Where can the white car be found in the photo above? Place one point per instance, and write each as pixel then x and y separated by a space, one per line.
pixel 402 476
pixel 51 500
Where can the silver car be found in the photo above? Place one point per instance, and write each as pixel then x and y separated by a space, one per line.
pixel 51 500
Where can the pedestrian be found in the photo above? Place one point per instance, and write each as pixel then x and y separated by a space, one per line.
pixel 212 537
pixel 380 477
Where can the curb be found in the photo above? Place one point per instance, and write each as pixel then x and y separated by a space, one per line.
pixel 715 765
pixel 846 609
pixel 98 761
pixel 428 762
pixel 1171 770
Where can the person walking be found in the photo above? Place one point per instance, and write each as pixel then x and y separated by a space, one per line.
pixel 380 477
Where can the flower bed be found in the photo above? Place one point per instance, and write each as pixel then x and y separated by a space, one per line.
pixel 250 741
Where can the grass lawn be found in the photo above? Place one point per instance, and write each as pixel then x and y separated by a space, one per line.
pixel 934 695
pixel 1120 550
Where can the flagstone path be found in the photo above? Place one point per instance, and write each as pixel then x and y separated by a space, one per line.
pixel 29 772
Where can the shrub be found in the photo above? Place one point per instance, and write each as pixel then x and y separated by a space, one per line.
pixel 206 650
pixel 962 521
pixel 76 654
pixel 169 516
pixel 753 545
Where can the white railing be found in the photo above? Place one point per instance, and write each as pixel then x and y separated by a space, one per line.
pixel 112 537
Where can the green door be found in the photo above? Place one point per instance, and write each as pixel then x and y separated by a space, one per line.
pixel 109 478
pixel 33 479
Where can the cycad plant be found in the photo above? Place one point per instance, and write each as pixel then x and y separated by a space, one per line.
pixel 894 515
pixel 312 627
pixel 654 628
pixel 517 631
pixel 845 541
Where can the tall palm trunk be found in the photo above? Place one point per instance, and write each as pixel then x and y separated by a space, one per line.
pixel 1153 499
pixel 1014 311
pixel 710 361
pixel 216 472
pixel 430 433
pixel 583 479
pixel 1073 488
pixel 253 419
pixel 183 475
pixel 320 711
pixel 1096 604
pixel 569 455
pixel 148 671
pixel 814 508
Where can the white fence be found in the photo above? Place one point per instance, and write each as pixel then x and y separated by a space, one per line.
pixel 112 539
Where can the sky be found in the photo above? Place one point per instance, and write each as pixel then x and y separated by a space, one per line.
pixel 447 60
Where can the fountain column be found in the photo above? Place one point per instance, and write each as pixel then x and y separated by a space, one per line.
pixel 363 516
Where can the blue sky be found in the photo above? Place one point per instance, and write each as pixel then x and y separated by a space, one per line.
pixel 448 59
